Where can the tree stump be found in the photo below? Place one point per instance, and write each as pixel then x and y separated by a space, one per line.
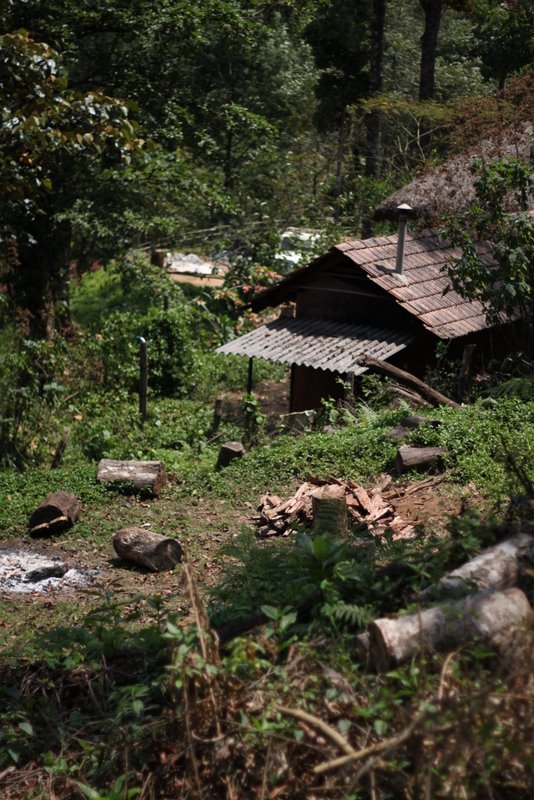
pixel 59 511
pixel 418 457
pixel 495 568
pixel 133 476
pixel 445 627
pixel 228 452
pixel 329 508
pixel 151 550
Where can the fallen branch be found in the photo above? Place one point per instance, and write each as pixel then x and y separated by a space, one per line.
pixel 320 724
pixel 497 567
pixel 372 750
pixel 406 377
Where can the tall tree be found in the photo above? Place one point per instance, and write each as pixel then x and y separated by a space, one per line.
pixel 55 148
pixel 433 10
pixel 505 37
pixel 373 147
pixel 376 78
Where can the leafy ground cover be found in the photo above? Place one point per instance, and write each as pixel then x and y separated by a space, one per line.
pixel 119 689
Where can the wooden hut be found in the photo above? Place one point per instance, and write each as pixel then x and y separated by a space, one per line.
pixel 387 298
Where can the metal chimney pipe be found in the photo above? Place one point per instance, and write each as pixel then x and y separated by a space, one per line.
pixel 404 212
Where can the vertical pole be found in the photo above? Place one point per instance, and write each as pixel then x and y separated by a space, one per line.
pixel 217 416
pixel 250 375
pixel 143 378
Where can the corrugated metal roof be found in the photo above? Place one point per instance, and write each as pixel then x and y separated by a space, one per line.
pixel 322 344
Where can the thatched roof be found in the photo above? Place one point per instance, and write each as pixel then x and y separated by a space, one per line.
pixel 449 189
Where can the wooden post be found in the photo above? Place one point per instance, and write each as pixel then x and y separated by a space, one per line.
pixel 143 378
pixel 250 378
pixel 217 416
pixel 464 376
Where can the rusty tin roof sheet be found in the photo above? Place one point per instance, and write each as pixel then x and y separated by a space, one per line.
pixel 322 344
pixel 423 288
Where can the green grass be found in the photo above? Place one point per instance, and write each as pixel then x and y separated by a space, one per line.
pixel 115 688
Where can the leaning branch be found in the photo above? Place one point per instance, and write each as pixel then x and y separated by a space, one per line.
pixel 410 380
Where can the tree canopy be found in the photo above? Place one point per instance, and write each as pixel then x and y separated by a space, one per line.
pixel 215 125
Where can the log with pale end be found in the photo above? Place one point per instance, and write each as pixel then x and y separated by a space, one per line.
pixel 135 476
pixel 497 567
pixel 329 507
pixel 409 457
pixel 58 512
pixel 146 549
pixel 393 641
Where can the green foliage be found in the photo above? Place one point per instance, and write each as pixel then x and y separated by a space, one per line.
pixel 478 439
pixel 54 143
pixel 505 37
pixel 505 287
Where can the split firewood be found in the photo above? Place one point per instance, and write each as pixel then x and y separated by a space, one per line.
pixel 361 505
pixel 151 550
pixel 446 626
pixel 418 457
pixel 330 510
pixel 495 568
pixel 135 476
pixel 58 512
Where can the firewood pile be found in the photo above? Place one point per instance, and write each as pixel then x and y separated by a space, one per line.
pixel 369 507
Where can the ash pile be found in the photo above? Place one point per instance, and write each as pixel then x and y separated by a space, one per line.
pixel 27 572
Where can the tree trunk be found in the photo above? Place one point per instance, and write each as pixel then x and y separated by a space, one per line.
pixel 134 476
pixel 151 550
pixel 417 457
pixel 406 377
pixel 429 42
pixel 58 512
pixel 373 148
pixel 329 507
pixel 446 627
pixel 496 568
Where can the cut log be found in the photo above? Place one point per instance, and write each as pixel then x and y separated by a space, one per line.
pixel 445 627
pixel 151 550
pixel 496 568
pixel 418 457
pixel 58 512
pixel 133 476
pixel 407 378
pixel 228 452
pixel 329 507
